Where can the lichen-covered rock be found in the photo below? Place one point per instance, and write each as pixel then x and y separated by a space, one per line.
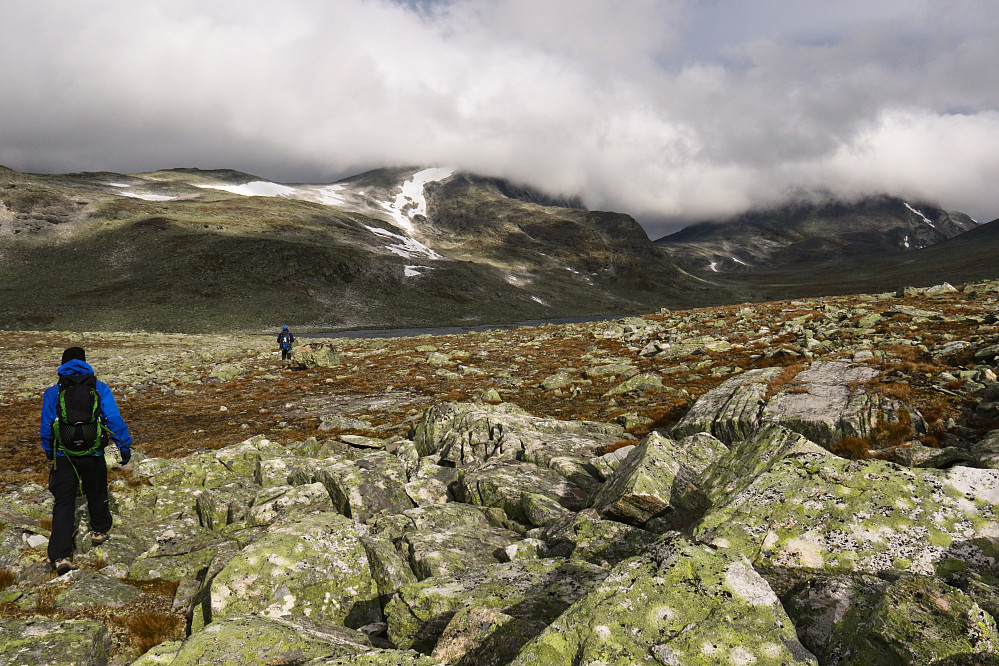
pixel 527 493
pixel 469 433
pixel 914 620
pixel 54 643
pixel 316 354
pixel 986 451
pixel 88 589
pixel 679 603
pixel 732 411
pixel 360 488
pixel 225 505
pixel 428 481
pixel 917 455
pixel 659 475
pixel 446 539
pixel 223 372
pixel 816 511
pixel 750 458
pixel 250 640
pixel 532 592
pixel 379 658
pixel 389 567
pixel 315 567
pixel 646 381
pixel 288 501
pixel 828 405
pixel 472 636
pixel 586 537
pixel 179 555
pixel 825 404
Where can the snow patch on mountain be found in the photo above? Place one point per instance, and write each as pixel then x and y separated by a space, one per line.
pixel 411 202
pixel 925 219
pixel 257 188
pixel 146 196
pixel 404 246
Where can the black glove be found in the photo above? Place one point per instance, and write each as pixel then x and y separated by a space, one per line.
pixel 126 455
pixel 49 455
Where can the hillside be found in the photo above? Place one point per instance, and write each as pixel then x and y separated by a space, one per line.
pixel 696 485
pixel 967 257
pixel 192 250
pixel 796 234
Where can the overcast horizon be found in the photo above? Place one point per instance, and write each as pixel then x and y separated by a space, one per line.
pixel 669 110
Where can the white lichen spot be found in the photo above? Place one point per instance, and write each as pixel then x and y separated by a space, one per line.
pixel 749 586
pixel 603 632
pixel 281 609
pixel 809 550
pixel 741 657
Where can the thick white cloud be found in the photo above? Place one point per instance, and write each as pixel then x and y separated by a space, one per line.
pixel 667 109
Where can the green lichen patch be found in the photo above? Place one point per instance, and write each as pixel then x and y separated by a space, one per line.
pixel 680 603
pixel 252 640
pixel 861 619
pixel 817 511
pixel 316 567
pixel 533 592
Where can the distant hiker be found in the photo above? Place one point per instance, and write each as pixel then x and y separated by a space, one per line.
pixel 285 341
pixel 78 416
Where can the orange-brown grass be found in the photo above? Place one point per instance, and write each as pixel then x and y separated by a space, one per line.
pixel 783 380
pixel 854 448
pixel 929 441
pixel 151 628
pixel 7 578
pixel 898 391
pixel 603 450
pixel 888 434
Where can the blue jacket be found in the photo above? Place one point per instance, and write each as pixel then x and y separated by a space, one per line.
pixel 50 402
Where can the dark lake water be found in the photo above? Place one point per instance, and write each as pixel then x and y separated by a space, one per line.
pixel 444 330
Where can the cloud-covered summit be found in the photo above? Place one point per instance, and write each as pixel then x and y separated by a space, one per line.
pixel 666 109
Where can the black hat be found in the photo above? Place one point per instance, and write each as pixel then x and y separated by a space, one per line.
pixel 74 353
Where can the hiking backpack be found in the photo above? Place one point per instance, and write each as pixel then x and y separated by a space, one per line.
pixel 79 429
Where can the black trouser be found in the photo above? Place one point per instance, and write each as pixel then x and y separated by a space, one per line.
pixel 285 354
pixel 64 479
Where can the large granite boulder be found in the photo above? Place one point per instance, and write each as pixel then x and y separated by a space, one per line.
pixel 531 593
pixel 732 411
pixel 469 433
pixel 528 494
pixel 55 643
pixel 825 402
pixel 808 509
pixel 679 603
pixel 659 475
pixel 912 620
pixel 360 488
pixel 249 640
pixel 446 539
pixel 315 567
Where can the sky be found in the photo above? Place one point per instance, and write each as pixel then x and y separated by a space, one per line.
pixel 673 111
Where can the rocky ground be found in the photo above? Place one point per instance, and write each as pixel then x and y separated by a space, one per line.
pixel 805 481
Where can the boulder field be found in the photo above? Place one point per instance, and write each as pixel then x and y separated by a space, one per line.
pixel 750 530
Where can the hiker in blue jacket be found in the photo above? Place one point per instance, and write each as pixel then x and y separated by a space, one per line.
pixel 285 341
pixel 75 469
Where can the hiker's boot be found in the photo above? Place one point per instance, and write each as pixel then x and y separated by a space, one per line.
pixel 97 538
pixel 64 565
